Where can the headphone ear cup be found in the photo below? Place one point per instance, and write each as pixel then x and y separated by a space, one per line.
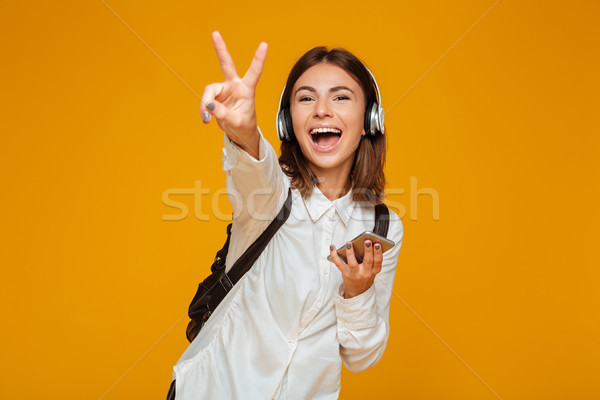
pixel 370 124
pixel 281 133
pixel 288 125
pixel 374 119
pixel 285 128
pixel 381 120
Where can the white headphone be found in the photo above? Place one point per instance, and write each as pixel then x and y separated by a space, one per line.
pixel 374 116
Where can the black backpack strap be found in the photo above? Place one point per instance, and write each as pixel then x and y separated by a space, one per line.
pixel 247 260
pixel 216 286
pixel 382 220
pixel 228 279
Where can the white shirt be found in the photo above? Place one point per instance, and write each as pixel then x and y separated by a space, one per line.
pixel 284 329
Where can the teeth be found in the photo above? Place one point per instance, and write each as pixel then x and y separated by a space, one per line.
pixel 323 130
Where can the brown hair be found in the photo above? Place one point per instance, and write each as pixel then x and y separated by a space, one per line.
pixel 367 176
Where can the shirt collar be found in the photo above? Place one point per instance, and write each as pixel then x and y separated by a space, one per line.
pixel 317 205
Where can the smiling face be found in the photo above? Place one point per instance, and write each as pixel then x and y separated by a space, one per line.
pixel 327 107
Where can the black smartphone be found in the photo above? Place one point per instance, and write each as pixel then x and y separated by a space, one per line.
pixel 358 244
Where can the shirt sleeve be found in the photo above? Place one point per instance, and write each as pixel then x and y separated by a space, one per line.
pixel 363 320
pixel 256 189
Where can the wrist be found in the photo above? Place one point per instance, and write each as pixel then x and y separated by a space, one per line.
pixel 350 293
pixel 356 287
pixel 250 143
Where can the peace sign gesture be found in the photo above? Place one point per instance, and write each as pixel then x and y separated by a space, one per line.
pixel 232 102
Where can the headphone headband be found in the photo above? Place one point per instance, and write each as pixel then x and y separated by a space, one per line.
pixel 375 84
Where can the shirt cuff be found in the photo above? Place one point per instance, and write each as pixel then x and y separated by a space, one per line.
pixel 233 154
pixel 358 312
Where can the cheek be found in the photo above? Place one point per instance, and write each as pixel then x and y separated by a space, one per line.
pixel 298 118
pixel 355 119
pixel 298 122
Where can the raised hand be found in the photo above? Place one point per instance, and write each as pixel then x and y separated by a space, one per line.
pixel 232 102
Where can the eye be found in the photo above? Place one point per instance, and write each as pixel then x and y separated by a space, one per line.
pixel 342 98
pixel 305 98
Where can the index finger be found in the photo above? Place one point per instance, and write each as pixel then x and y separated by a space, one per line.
pixel 227 65
pixel 335 258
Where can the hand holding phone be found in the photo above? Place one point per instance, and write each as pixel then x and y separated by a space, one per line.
pixel 358 245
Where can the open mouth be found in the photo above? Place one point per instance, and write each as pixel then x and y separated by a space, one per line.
pixel 325 138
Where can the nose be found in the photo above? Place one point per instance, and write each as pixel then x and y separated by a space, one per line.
pixel 322 108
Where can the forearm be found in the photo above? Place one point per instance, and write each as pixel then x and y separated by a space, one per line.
pixel 256 188
pixel 362 332
pixel 363 320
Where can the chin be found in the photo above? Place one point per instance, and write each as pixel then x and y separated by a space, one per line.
pixel 328 161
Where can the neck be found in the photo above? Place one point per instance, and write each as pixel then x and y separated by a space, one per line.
pixel 333 183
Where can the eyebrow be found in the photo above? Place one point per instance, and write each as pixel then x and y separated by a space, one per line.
pixel 333 89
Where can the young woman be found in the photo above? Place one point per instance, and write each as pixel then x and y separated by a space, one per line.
pixel 286 327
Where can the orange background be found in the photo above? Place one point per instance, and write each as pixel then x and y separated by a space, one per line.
pixel 491 106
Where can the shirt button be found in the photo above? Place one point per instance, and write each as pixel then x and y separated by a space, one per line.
pixel 292 342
